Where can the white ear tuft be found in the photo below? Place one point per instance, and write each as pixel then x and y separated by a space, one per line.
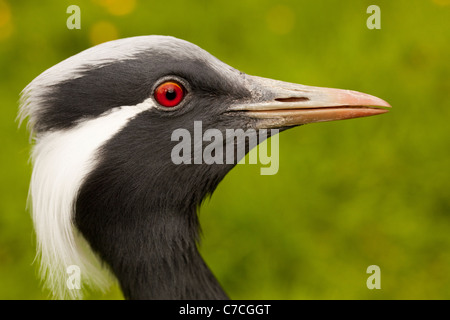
pixel 61 160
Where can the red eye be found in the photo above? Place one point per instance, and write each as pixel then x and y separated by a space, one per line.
pixel 169 94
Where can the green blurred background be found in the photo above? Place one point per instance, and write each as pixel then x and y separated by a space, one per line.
pixel 348 194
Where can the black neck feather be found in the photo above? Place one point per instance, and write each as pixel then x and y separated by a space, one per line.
pixel 138 211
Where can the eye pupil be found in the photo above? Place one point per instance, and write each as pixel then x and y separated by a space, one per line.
pixel 169 94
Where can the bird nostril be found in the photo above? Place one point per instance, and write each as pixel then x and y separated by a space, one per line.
pixel 292 99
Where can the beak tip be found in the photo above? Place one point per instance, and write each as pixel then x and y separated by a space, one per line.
pixel 383 104
pixel 355 98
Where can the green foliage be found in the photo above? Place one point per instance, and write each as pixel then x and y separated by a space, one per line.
pixel 348 194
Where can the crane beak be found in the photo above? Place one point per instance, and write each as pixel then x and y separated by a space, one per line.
pixel 278 104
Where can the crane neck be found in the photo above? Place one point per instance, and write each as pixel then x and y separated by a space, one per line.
pixel 154 255
pixel 164 263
